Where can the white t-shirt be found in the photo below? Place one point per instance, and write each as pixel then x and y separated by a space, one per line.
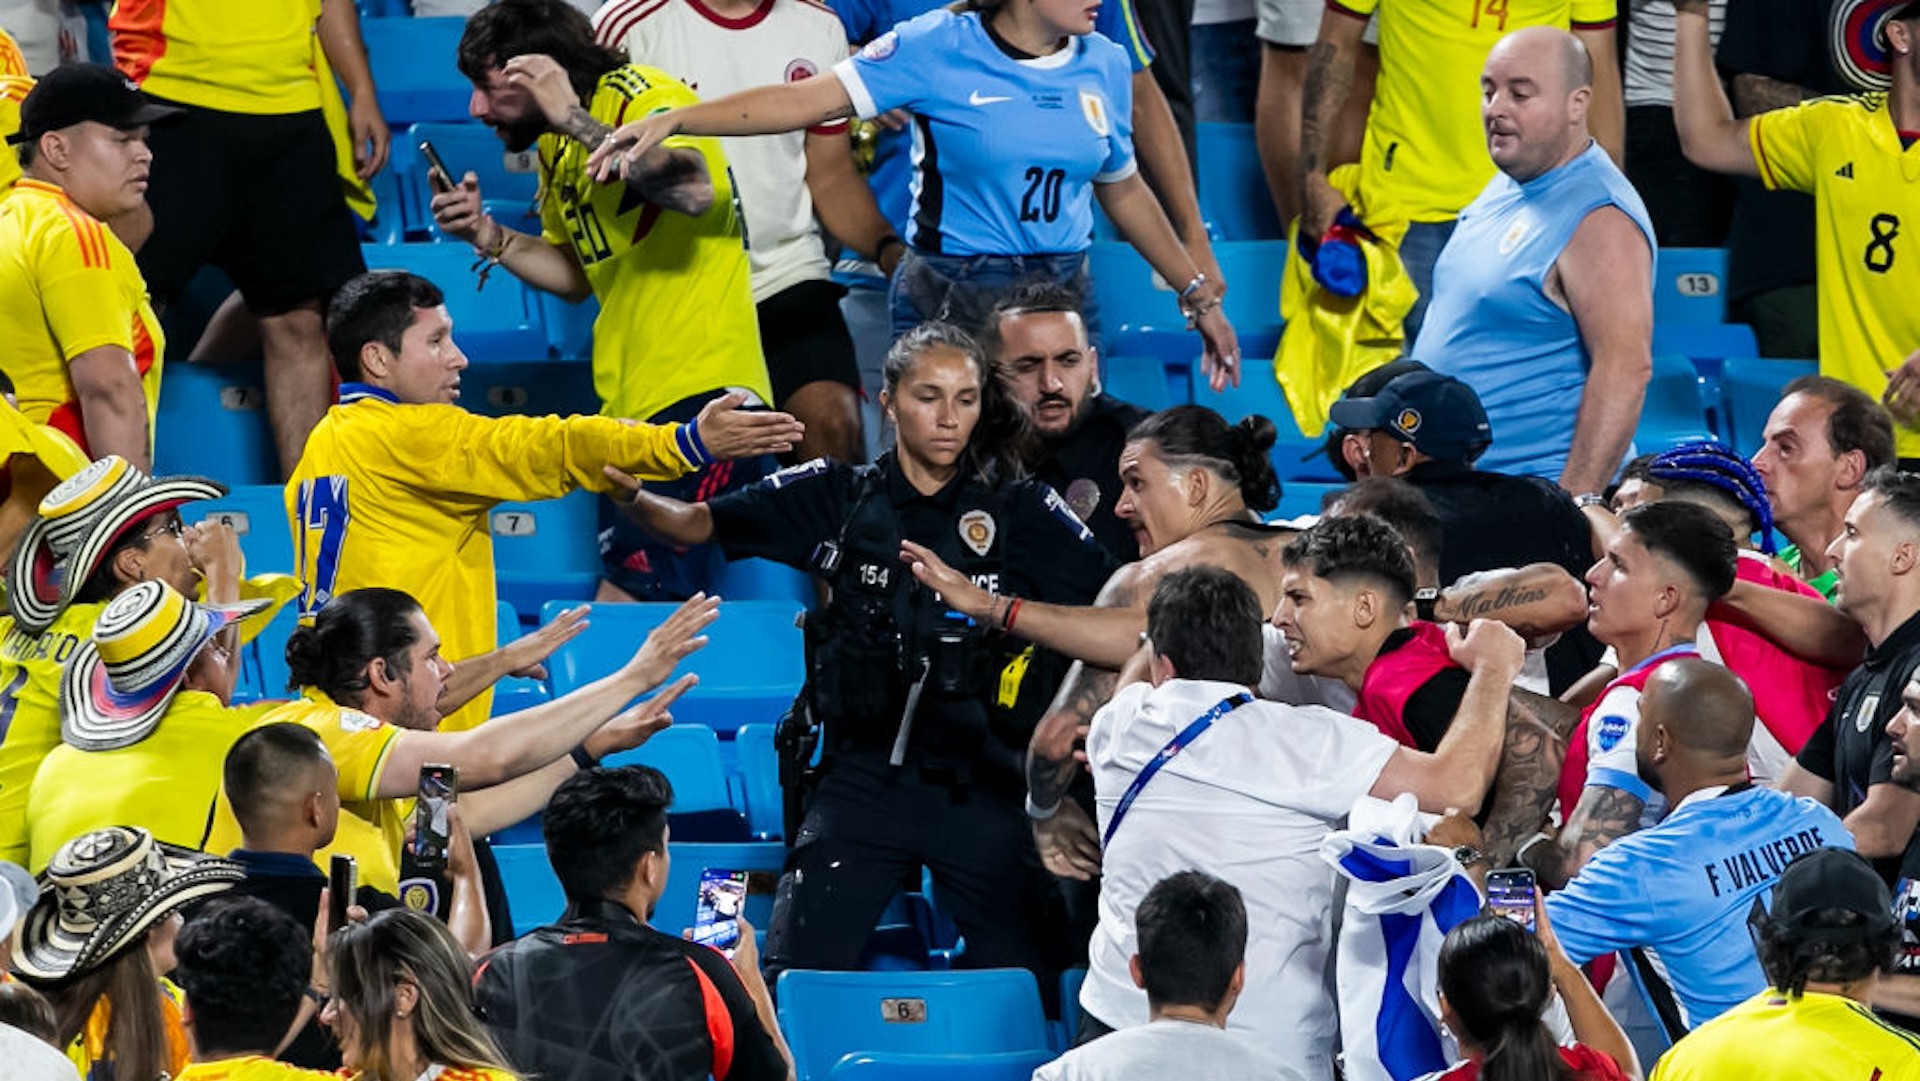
pixel 1164 1049
pixel 26 1058
pixel 1248 801
pixel 780 41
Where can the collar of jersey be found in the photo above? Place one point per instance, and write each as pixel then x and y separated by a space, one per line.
pixel 360 392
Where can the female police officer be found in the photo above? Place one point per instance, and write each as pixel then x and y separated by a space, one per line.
pixel 921 755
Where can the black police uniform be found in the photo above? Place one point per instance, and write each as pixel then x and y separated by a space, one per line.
pixel 953 803
pixel 1084 467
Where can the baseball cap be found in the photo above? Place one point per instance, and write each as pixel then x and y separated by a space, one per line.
pixel 77 93
pixel 1441 416
pixel 1831 878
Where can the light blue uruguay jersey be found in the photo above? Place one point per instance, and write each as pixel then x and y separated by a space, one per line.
pixel 1683 889
pixel 1005 151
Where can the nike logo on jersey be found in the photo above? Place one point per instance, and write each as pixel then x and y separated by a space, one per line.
pixel 1845 172
pixel 977 98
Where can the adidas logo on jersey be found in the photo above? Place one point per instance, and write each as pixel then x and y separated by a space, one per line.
pixel 1845 172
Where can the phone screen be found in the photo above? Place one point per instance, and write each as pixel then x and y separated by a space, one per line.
pixel 1510 893
pixel 716 921
pixel 343 881
pixel 439 788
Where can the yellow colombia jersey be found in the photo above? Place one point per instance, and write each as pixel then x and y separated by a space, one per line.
pixel 1425 150
pixel 67 285
pixel 15 81
pixel 1824 1037
pixel 676 310
pixel 1845 152
pixel 166 782
pixel 398 495
pixel 251 1068
pixel 90 1044
pixel 238 56
pixel 371 830
pixel 30 668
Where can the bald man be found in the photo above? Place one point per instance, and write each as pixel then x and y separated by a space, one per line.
pixel 1543 298
pixel 1682 889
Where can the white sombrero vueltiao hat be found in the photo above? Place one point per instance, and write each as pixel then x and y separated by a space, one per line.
pixel 101 892
pixel 79 522
pixel 116 688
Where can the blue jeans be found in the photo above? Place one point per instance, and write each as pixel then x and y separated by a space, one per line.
pixel 962 289
pixel 1419 251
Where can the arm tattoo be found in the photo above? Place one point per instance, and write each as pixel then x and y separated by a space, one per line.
pixel 1524 787
pixel 1758 94
pixel 581 127
pixel 1559 717
pixel 1329 84
pixel 1604 816
pixel 1050 771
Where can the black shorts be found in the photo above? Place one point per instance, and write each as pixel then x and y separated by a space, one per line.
pixel 256 196
pixel 805 338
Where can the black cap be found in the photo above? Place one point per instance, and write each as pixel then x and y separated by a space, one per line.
pixel 1441 416
pixel 1831 878
pixel 77 93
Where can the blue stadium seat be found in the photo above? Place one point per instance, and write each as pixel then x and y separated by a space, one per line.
pixel 675 912
pixel 689 754
pixel 213 423
pixel 258 515
pixel 546 551
pixel 1130 296
pixel 569 327
pixel 533 892
pixel 1141 380
pixel 1234 197
pixel 413 68
pixel 1750 388
pixel 1675 408
pixel 763 580
pixel 1689 286
pixel 1253 269
pixel 827 1015
pixel 1003 1066
pixel 507 181
pixel 1070 983
pixel 534 388
pixel 497 321
pixel 1298 497
pixel 389 224
pixel 759 780
pixel 1294 455
pixel 749 671
pixel 1706 345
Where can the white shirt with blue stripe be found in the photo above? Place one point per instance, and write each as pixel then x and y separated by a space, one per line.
pixel 1005 151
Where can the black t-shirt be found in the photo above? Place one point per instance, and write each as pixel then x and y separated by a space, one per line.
pixel 1085 469
pixel 600 996
pixel 1492 521
pixel 1851 749
pixel 1770 242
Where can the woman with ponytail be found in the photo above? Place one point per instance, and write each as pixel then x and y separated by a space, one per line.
pixel 1496 981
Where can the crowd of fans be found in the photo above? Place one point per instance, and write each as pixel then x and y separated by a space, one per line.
pixel 1530 756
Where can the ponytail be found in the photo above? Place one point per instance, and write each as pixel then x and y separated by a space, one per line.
pixel 1495 976
pixel 1237 452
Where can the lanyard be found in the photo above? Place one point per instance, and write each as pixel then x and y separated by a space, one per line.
pixel 1174 746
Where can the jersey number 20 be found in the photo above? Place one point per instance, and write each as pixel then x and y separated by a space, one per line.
pixel 1042 199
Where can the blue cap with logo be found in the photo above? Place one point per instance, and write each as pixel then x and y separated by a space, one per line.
pixel 1441 416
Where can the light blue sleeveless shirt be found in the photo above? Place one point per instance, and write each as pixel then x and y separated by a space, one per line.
pixel 1491 324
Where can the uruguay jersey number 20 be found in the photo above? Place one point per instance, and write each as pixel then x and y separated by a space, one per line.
pixel 322 508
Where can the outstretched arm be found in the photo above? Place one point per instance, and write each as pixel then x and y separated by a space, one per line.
pixel 1103 635
pixel 763 110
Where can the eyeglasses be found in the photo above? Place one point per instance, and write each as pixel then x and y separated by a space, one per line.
pixel 175 527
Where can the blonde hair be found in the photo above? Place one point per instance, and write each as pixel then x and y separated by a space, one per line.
pixel 400 945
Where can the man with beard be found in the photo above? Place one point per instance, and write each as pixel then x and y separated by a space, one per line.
pixel 1038 342
pixel 662 249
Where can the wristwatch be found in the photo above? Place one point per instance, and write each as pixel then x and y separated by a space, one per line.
pixel 1589 499
pixel 1467 855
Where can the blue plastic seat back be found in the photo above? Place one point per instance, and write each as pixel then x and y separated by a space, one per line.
pixel 689 754
pixel 1750 388
pixel 763 580
pixel 828 1015
pixel 750 670
pixel 413 68
pixel 680 901
pixel 546 555
pixel 213 423
pixel 1302 497
pixel 1001 1066
pixel 1070 983
pixel 1674 411
pixel 533 891
pixel 760 779
pixel 1130 297
pixel 1253 269
pixel 492 323
pixel 1136 378
pixel 1689 286
pixel 1234 197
